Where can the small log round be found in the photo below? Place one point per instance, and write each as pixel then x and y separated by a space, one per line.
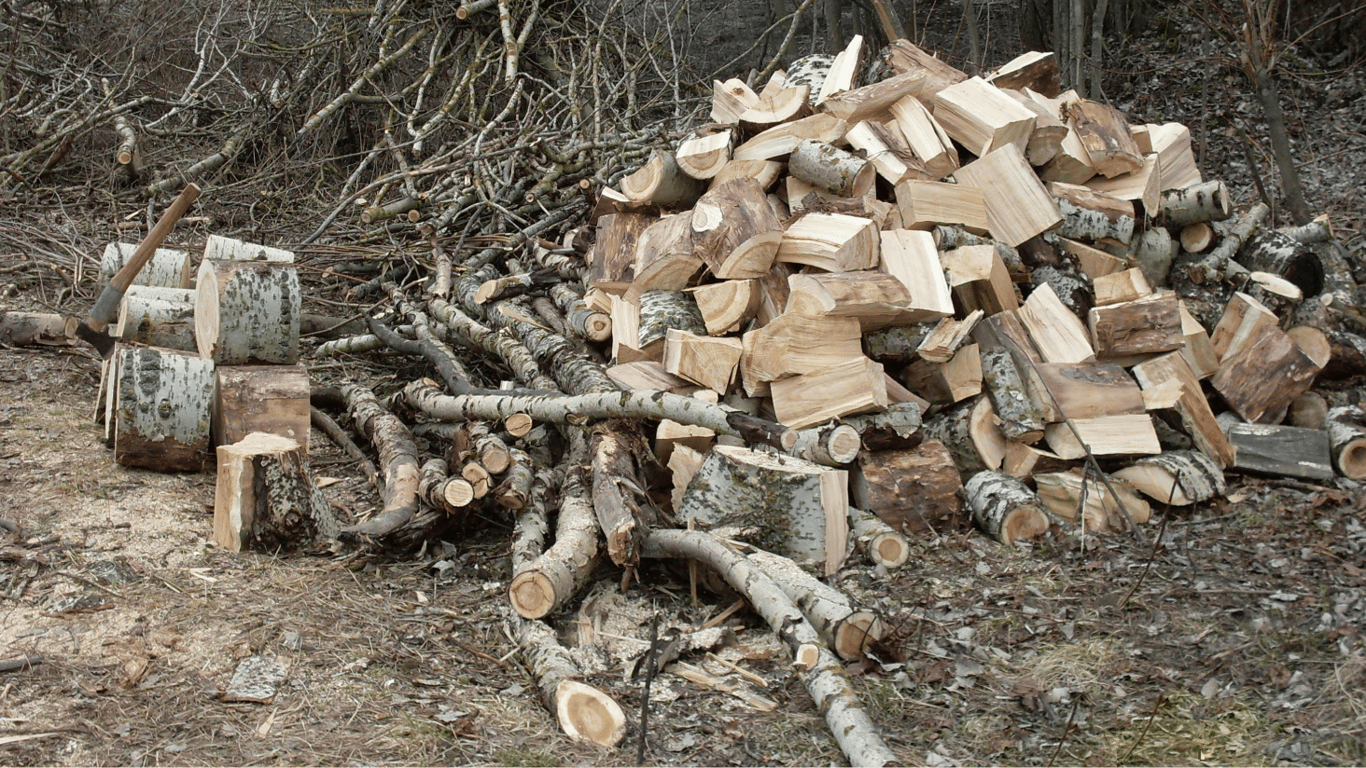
pixel 1347 432
pixel 1285 257
pixel 518 424
pixel 884 546
pixel 1004 507
pixel 831 168
pixel 661 182
pixel 1197 237
pixel 833 444
pixel 157 317
pixel 583 712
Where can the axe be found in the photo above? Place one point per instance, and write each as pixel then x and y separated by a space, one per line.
pixel 94 328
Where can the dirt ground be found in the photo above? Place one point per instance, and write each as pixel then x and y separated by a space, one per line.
pixel 1235 640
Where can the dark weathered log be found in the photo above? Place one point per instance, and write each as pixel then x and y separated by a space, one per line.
pixel 896 427
pixel 1275 449
pixel 397 456
pixel 912 491
pixel 819 668
pixel 1283 256
pixel 266 498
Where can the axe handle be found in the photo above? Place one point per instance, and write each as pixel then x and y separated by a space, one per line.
pixel 106 306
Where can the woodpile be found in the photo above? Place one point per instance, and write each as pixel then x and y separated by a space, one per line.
pixel 850 310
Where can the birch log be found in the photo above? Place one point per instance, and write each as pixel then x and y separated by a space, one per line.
pixel 831 168
pixel 1346 427
pixel 448 494
pixel 157 317
pixel 1004 508
pixel 247 312
pixel 24 329
pixel 161 412
pixel 583 712
pixel 819 668
pixel 169 268
pixel 885 547
pixel 1179 478
pixel 397 458
pixel 548 581
pixel 847 628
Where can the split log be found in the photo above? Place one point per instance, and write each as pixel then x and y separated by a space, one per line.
pixel 883 545
pixel 1346 427
pixel 584 713
pixel 876 299
pixel 926 204
pixel 670 434
pixel 266 498
pixel 950 382
pixel 833 242
pixel 895 428
pixel 776 106
pixel 397 459
pixel 612 262
pixel 1089 390
pixel 24 329
pixel 1022 419
pixel 1122 435
pixel 730 99
pixel 1004 508
pixel 702 157
pixel 1023 461
pixel 548 581
pixel 1018 206
pixel 1261 380
pixel 844 71
pixel 1195 204
pixel 157 317
pixel 766 172
pixel 734 230
pixel 887 151
pixel 1104 132
pixel 948 338
pixel 168 268
pixel 853 386
pixel 1145 326
pixel 247 312
pixel 1274 449
pixel 664 257
pixel 1190 405
pixel 1117 288
pixel 661 182
pixel 219 247
pixel 1172 143
pixel 683 465
pixel 1179 478
pixel 912 258
pixel 831 168
pixel 617 493
pixel 979 280
pixel 1080 498
pixel 819 668
pixel 1243 316
pixel 1048 134
pixel 1035 70
pixel 904 56
pixel 728 305
pixel 1143 185
pixel 847 628
pixel 704 360
pixel 952 428
pixel 161 409
pixel 874 100
pixel 925 137
pixel 777 142
pixel 426 396
pixel 261 398
pixel 982 118
pixel 897 346
pixel 1054 329
pixel 1071 163
pixel 792 345
pixel 1089 214
pixel 912 490
pixel 451 495
pixel 787 505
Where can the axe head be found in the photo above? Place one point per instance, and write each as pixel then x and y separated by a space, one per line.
pixel 98 338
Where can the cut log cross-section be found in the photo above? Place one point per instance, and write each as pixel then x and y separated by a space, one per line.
pixel 1004 508
pixel 734 230
pixel 703 157
pixel 847 628
pixel 661 182
pixel 728 305
pixel 266 498
pixel 584 713
pixel 793 507
pixel 247 312
pixel 1346 426
pixel 885 547
pixel 547 582
pixel 161 411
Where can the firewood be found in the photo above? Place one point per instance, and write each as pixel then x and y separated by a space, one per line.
pixel 1210 267
pixel 853 386
pixel 904 56
pixel 911 490
pixel 1309 411
pixel 728 305
pixel 912 258
pixel 157 317
pixel 1035 70
pixel 793 344
pixel 832 242
pixel 1283 256
pixel 875 100
pixel 1172 143
pixel 887 151
pixel 703 157
pixel 1194 204
pixel 950 382
pixel 584 713
pixel 985 431
pixel 1021 416
pixel 832 444
pixel 1093 261
pixel 780 106
pixel 1179 478
pixel 1313 343
pixel 397 460
pixel 925 138
pixel 830 168
pixel 1121 435
pixel 1067 493
pixel 730 99
pixel 1059 335
pixel 661 182
pixel 543 584
pixel 979 279
pixel 219 247
pixel 1018 206
pixel 790 506
pixel 895 428
pixel 665 260
pixel 661 311
pixel 766 172
pixel 948 337
pixel 448 494
pixel 1242 317
pixel 168 268
pixel 1261 379
pixel 1197 237
pixel 875 299
pixel 1023 461
pixel 1091 390
pixel 1071 164
pixel 1004 508
pixel 247 312
pixel 846 627
pixel 626 346
pixel 1191 405
pixel 1346 426
pixel 705 360
pixel 1148 325
pixel 646 374
pixel 735 231
pixel 1274 449
pixel 1090 214
pixel 24 329
pixel 819 668
pixel 161 403
pixel 926 204
pixel 612 263
pixel 1104 132
pixel 777 142
pixel 1320 230
pixel 261 398
pixel 1045 141
pixel 952 428
pixel 884 546
pixel 266 498
pixel 1143 185
pixel 844 71
pixel 982 118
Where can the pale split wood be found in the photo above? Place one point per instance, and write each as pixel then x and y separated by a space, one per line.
pixel 1018 206
pixel 854 386
pixel 877 300
pixel 925 137
pixel 705 360
pixel 982 118
pixel 1114 435
pixel 1191 405
pixel 821 672
pixel 1082 499
pixel 730 99
pixel 832 242
pixel 703 157
pixel 1059 335
pixel 726 306
pixel 265 497
pixel 1119 287
pixel 1260 380
pixel 926 204
pixel 661 182
pixel 1104 132
pixel 875 100
pixel 1179 478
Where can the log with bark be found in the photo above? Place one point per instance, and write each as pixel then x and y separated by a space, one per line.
pixel 266 499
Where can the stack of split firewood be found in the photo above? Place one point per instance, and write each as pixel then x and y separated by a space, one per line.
pixel 986 254
pixel 212 359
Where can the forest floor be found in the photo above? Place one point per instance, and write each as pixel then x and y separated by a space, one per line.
pixel 1235 640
